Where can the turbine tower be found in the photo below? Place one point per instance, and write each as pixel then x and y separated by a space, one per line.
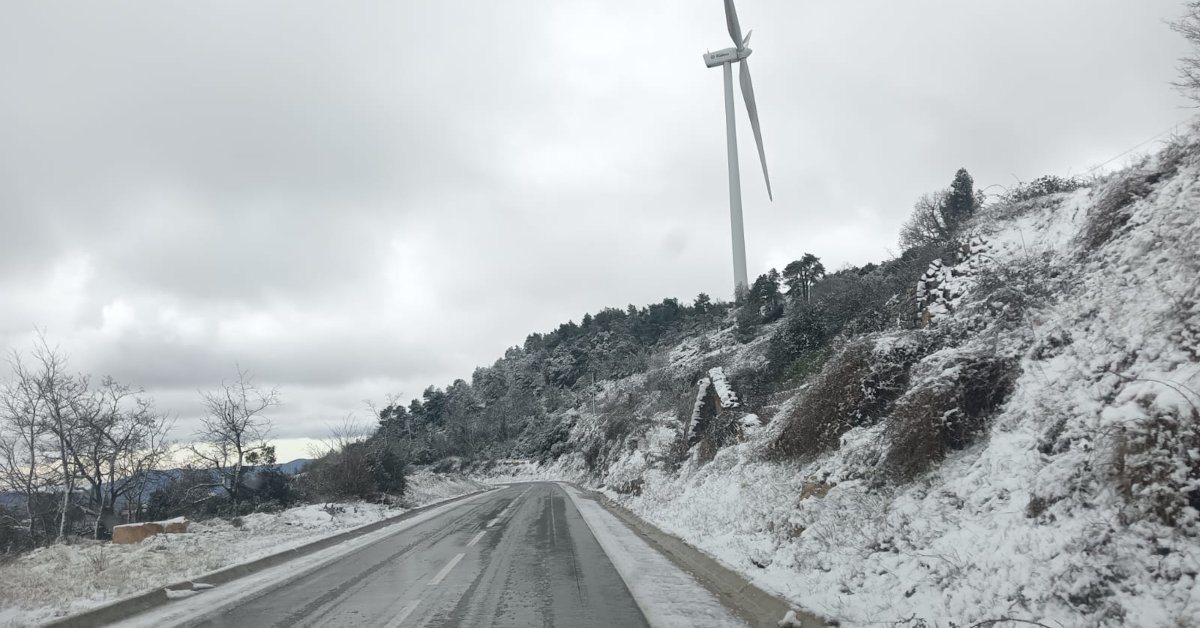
pixel 726 58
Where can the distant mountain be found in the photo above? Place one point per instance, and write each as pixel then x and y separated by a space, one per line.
pixel 295 466
pixel 159 478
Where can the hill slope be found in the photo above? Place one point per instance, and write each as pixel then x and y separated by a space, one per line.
pixel 1032 452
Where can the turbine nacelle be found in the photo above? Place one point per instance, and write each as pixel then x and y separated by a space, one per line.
pixel 728 55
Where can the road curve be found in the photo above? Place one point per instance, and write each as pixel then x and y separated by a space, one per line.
pixel 520 556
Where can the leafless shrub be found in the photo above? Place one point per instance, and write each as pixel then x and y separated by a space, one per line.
pixel 618 426
pixel 945 413
pixel 857 387
pixel 1113 207
pixel 1004 293
pixel 1185 316
pixel 677 453
pixel 719 431
pixel 632 487
pixel 1155 464
pixel 98 560
pixel 14 536
pixel 1043 186
pixel 829 408
pixel 753 385
pixel 1036 506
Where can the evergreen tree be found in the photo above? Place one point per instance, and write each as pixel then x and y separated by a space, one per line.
pixel 960 203
pixel 801 275
pixel 765 297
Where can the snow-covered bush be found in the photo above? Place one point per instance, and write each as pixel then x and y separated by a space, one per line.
pixel 830 407
pixel 857 387
pixel 1043 186
pixel 945 411
pixel 1002 294
pixel 1115 198
pixel 1157 463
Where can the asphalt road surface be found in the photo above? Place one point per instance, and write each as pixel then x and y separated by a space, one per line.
pixel 518 557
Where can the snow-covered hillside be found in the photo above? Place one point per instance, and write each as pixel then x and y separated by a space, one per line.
pixel 1032 453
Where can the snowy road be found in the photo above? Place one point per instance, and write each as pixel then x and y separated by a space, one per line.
pixel 519 556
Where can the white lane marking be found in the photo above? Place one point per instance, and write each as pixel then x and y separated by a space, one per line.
pixel 445 570
pixel 493 522
pixel 477 537
pixel 403 614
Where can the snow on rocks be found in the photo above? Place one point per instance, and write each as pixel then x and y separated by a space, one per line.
pixel 790 621
pixel 728 398
pixel 942 287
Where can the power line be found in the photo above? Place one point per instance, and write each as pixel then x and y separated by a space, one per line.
pixel 1161 133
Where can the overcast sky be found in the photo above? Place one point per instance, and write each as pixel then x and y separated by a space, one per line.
pixel 353 199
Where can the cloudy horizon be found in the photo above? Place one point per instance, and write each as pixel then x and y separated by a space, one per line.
pixel 357 200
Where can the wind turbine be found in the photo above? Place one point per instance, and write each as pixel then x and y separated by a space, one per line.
pixel 726 58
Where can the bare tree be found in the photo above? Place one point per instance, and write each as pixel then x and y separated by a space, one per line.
pixel 234 430
pixel 928 224
pixel 1189 66
pixel 58 393
pixel 341 436
pixel 120 440
pixel 55 430
pixel 23 444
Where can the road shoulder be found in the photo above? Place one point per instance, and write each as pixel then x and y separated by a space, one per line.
pixel 751 604
pixel 238 583
pixel 669 597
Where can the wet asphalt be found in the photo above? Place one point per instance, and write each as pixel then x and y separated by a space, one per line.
pixel 520 556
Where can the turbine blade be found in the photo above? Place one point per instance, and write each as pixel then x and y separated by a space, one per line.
pixel 735 29
pixel 746 41
pixel 752 109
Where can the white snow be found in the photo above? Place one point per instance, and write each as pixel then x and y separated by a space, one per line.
pixel 214 602
pixel 62 579
pixel 668 596
pixel 729 399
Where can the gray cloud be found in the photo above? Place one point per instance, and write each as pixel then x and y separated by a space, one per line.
pixel 361 198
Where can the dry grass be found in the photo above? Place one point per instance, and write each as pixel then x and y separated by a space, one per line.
pixel 1113 209
pixel 829 408
pixel 945 413
pixel 857 387
pixel 1156 468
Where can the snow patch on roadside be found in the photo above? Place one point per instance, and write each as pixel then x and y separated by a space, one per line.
pixel 56 581
pixel 186 612
pixel 667 596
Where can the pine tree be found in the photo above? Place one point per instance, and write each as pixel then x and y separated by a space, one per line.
pixel 960 202
pixel 801 275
